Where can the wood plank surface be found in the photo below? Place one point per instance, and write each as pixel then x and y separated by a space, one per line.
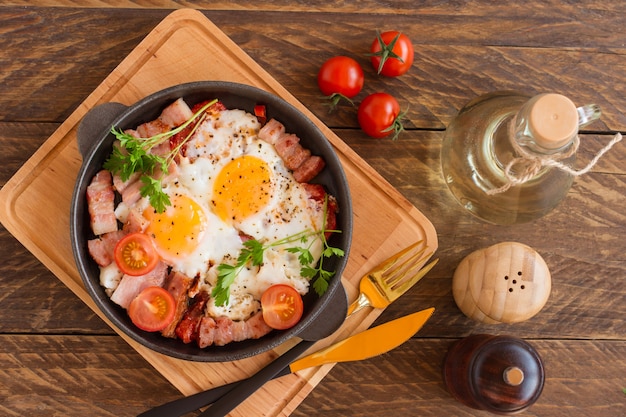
pixel 53 54
pixel 94 375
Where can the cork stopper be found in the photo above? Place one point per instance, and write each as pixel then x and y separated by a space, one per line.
pixel 553 120
pixel 513 376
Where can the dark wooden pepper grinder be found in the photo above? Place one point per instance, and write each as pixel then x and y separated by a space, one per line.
pixel 500 374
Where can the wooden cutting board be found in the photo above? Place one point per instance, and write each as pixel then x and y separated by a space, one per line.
pixel 186 47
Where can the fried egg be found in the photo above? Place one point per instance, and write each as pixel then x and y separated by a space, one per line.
pixel 232 186
pixel 187 236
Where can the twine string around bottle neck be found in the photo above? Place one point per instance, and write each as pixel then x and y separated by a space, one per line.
pixel 530 164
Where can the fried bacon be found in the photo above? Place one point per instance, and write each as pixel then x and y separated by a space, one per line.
pixel 305 166
pixel 101 248
pixel 222 330
pixel 172 116
pixel 131 286
pixel 178 285
pixel 101 203
pixel 187 328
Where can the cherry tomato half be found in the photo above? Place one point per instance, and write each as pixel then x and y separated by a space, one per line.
pixel 340 77
pixel 135 254
pixel 282 306
pixel 153 309
pixel 392 53
pixel 379 116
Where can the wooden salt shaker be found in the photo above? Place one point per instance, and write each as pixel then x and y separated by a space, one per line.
pixel 500 374
pixel 504 283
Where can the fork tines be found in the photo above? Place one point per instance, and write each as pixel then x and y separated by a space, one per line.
pixel 408 261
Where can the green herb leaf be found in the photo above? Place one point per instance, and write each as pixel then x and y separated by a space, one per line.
pixel 253 251
pixel 133 155
pixel 153 189
pixel 226 275
pixel 320 285
pixel 256 250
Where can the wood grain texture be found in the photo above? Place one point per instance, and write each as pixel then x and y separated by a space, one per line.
pixel 74 375
pixel 70 375
pixel 478 50
pixel 408 381
pixel 55 53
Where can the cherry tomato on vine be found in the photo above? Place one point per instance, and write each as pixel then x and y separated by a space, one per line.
pixel 392 53
pixel 135 254
pixel 153 309
pixel 340 77
pixel 379 116
pixel 282 306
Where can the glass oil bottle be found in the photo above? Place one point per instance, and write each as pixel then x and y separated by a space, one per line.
pixel 492 153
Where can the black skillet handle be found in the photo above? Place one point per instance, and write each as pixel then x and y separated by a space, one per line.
pixel 95 123
pixel 330 318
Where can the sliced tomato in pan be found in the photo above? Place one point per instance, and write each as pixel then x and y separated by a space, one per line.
pixel 135 254
pixel 153 309
pixel 282 306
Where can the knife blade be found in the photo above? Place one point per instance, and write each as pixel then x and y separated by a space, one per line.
pixel 364 345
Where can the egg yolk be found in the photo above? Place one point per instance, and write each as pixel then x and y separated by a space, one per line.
pixel 242 188
pixel 178 230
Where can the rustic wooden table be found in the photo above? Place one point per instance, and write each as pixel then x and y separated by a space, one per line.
pixel 58 358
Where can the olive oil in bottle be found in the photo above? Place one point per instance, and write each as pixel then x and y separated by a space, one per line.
pixel 497 154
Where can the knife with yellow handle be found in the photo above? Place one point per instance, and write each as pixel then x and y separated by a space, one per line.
pixel 367 344
pixel 364 345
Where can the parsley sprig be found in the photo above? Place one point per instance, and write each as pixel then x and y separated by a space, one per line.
pixel 252 255
pixel 133 155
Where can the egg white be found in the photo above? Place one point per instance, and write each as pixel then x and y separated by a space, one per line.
pixel 217 141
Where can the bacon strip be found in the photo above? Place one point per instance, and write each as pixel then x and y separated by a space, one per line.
pixel 305 166
pixel 272 131
pixel 176 113
pixel 135 222
pixel 309 169
pixel 178 285
pixel 293 154
pixel 131 286
pixel 101 203
pixel 172 116
pixel 187 329
pixel 101 248
pixel 222 330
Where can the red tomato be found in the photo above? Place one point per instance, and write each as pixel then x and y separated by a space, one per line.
pixel 392 53
pixel 282 306
pixel 260 113
pixel 379 116
pixel 135 254
pixel 153 309
pixel 340 76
